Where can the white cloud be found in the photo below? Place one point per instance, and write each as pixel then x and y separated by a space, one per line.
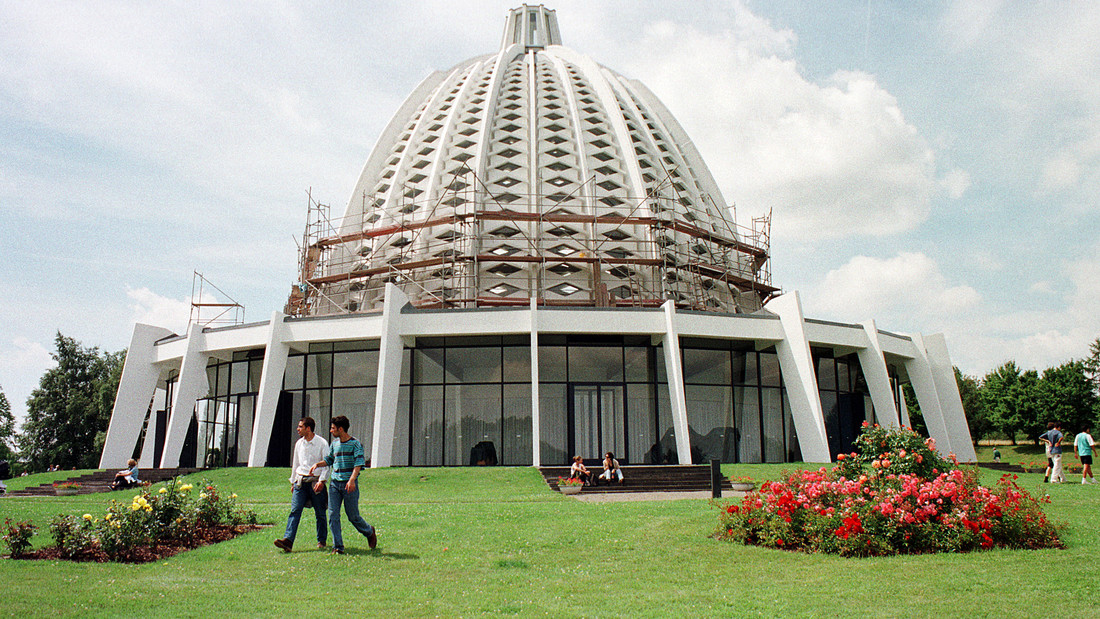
pixel 153 309
pixel 897 288
pixel 22 363
pixel 832 159
pixel 955 183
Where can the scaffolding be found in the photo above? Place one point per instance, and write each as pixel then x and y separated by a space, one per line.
pixel 472 248
pixel 212 313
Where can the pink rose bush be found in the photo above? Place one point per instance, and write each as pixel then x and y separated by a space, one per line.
pixel 895 496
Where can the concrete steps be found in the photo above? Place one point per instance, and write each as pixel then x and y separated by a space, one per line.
pixel 643 478
pixel 100 481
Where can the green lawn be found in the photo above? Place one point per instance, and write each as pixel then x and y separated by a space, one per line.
pixel 471 542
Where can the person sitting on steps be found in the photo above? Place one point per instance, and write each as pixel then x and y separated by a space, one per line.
pixel 611 468
pixel 127 478
pixel 579 471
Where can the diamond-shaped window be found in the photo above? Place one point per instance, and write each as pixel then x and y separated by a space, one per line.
pixel 511 116
pixel 457 185
pixel 622 292
pixel 463 157
pixel 564 289
pixel 616 235
pixel 554 116
pixel 506 198
pixel 559 181
pixel 507 181
pixel 563 250
pixel 416 178
pixel 556 139
pixel 508 153
pixel 606 169
pixel 503 290
pixel 602 156
pixel 563 269
pixel 620 272
pixel 508 139
pixel 420 165
pixel 611 201
pixel 557 152
pixel 562 231
pixel 408 208
pixel 504 250
pixel 504 269
pixel 446 253
pixel 558 197
pixel 507 166
pixel 401 241
pixel 596 130
pixel 510 127
pixel 609 185
pixel 558 166
pixel 413 192
pixel 504 232
pixel 468 131
pixel 455 201
pixel 465 144
pixel 618 252
pixel 554 127
pixel 449 235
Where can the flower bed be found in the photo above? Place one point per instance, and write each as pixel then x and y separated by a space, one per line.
pixel 151 526
pixel 893 496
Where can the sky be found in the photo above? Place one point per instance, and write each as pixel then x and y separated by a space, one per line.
pixel 934 166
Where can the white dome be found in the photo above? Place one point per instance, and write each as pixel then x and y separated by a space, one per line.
pixel 534 172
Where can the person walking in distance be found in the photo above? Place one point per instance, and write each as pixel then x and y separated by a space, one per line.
pixel 345 456
pixel 305 487
pixel 1085 446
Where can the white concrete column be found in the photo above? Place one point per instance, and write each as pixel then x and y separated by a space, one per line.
pixel 800 379
pixel 135 391
pixel 904 410
pixel 389 378
pixel 675 371
pixel 947 388
pixel 191 386
pixel 271 385
pixel 924 386
pixel 873 363
pixel 536 427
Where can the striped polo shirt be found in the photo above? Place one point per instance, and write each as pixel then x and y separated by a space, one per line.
pixel 344 457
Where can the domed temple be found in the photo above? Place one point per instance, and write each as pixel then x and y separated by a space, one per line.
pixel 535 263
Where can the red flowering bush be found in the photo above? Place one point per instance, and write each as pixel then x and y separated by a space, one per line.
pixel 891 499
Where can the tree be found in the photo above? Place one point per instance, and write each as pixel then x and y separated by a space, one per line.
pixel 1092 365
pixel 1010 397
pixel 71 405
pixel 977 414
pixel 1066 394
pixel 7 429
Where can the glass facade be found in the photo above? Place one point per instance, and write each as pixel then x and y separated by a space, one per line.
pixel 466 401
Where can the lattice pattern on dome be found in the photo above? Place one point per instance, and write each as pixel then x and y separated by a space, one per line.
pixel 533 173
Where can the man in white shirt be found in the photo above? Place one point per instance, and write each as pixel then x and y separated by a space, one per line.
pixel 307 487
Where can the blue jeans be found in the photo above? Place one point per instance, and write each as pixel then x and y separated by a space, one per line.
pixel 302 495
pixel 337 494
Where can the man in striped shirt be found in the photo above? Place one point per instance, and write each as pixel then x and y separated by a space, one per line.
pixel 345 456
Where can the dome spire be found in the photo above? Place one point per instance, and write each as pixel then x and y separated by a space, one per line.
pixel 532 27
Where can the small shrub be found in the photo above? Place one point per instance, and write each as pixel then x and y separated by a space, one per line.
pixel 73 536
pixel 17 536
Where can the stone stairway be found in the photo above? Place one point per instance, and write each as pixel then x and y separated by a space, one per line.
pixel 644 478
pixel 100 481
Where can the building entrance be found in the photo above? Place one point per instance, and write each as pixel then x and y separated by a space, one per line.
pixel 597 416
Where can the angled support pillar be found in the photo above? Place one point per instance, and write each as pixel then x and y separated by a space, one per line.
pixel 928 397
pixel 536 427
pixel 149 448
pixel 873 364
pixel 800 379
pixel 947 388
pixel 389 378
pixel 904 412
pixel 271 385
pixel 135 391
pixel 676 396
pixel 192 385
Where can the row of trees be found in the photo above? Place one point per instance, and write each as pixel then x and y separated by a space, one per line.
pixel 67 415
pixel 1012 403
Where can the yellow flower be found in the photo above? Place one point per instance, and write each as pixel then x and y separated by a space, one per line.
pixel 186 487
pixel 134 507
pixel 108 516
pixel 202 495
pixel 163 491
pixel 148 508
pixel 87 516
pixel 233 496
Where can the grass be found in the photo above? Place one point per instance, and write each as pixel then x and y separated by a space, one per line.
pixel 476 542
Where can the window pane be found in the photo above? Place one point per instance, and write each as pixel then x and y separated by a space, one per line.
pixel 748 424
pixel 641 439
pixel 516 436
pixel 774 448
pixel 294 376
pixel 255 371
pixel 842 375
pixel 552 429
pixel 637 365
pixel 832 420
pixel 426 429
pixel 551 363
pixel 706 367
pixel 710 421
pixel 319 370
pixel 428 365
pixel 667 451
pixel 473 365
pixel 517 366
pixel 239 377
pixel 317 405
pixel 595 364
pixel 472 433
pixel 357 405
pixel 355 369
pixel 769 370
pixel 401 428
pixel 826 373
